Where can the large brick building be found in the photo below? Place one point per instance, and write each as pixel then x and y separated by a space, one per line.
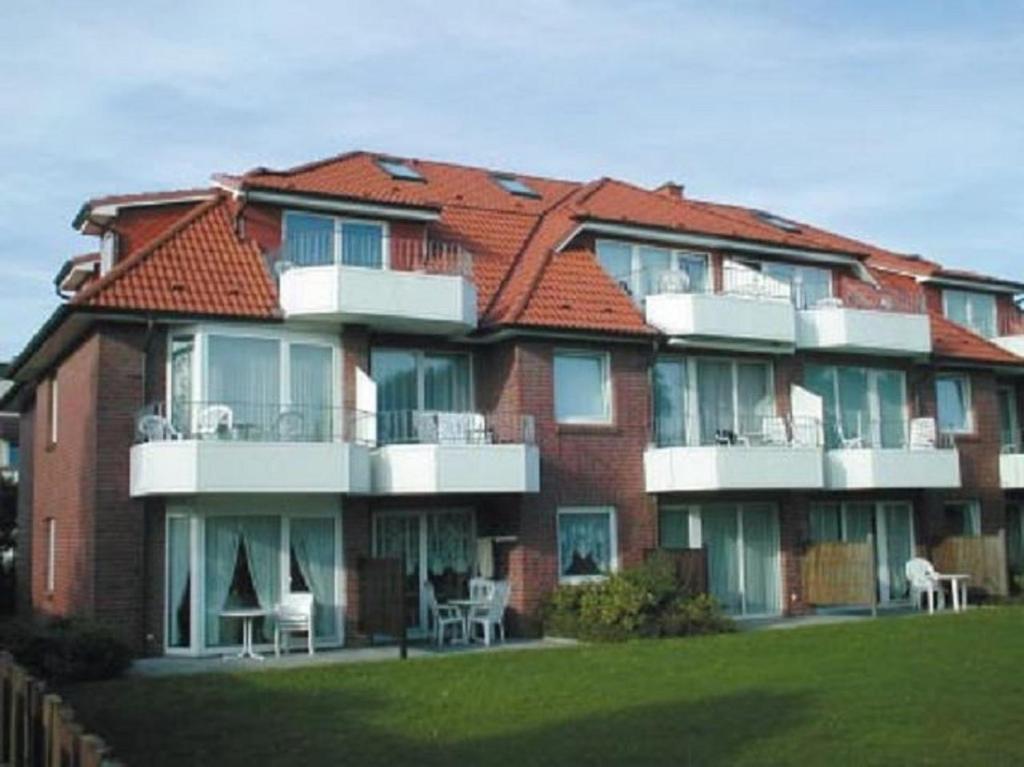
pixel 249 387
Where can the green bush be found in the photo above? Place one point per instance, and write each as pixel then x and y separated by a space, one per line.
pixel 644 601
pixel 65 651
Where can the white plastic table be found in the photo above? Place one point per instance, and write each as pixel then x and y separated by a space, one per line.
pixel 247 615
pixel 465 606
pixel 958 585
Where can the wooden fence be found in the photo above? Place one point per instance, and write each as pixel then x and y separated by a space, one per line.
pixel 983 557
pixel 840 573
pixel 38 729
pixel 691 567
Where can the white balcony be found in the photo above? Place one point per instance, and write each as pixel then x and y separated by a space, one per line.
pixel 892 468
pixel 1011 471
pixel 426 453
pixel 714 318
pixel 1012 344
pixel 679 469
pixel 845 329
pixel 195 466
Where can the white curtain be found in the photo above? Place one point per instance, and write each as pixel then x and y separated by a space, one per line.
pixel 244 374
pixel 720 534
pixel 178 570
pixel 446 383
pixel 449 542
pixel 312 387
pixel 892 408
pixel 584 543
pixel 754 396
pixel 825 523
pixel 222 541
pixel 900 547
pixel 670 402
pixel 362 245
pixel 262 538
pixel 312 541
pixel 309 239
pixel 760 559
pixel 394 372
pixel 715 393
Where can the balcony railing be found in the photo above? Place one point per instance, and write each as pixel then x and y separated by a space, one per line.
pixel 707 430
pixel 426 427
pixel 253 422
pixel 857 431
pixel 747 283
pixel 404 254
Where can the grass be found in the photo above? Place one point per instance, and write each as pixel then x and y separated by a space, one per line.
pixel 939 690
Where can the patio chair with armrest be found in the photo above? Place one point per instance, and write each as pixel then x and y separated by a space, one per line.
pixel 212 420
pixel 490 618
pixel 924 580
pixel 294 615
pixel 443 618
pixel 156 428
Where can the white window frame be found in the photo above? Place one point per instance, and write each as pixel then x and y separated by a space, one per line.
pixel 636 278
pixel 204 509
pixel 50 580
pixel 874 401
pixel 420 356
pixel 54 408
pixel 285 338
pixel 972 514
pixel 693 437
pixel 339 222
pixel 969 426
pixel 608 415
pixel 1014 425
pixel 613 542
pixel 972 324
pixel 108 250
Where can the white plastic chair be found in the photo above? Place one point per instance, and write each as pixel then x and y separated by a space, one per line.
pixel 673 282
pixel 212 418
pixel 923 580
pixel 443 618
pixel 294 615
pixel 155 428
pixel 480 589
pixel 492 616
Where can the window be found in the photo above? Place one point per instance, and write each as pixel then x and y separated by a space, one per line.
pixel 644 270
pixel 976 311
pixel 1009 432
pixel 862 407
pixel 582 387
pixel 953 401
pixel 276 387
pixel 514 185
pixel 670 382
pixel 410 382
pixel 399 170
pixel 108 251
pixel 805 286
pixel 13 456
pixel 963 518
pixel 179 581
pixel 51 555
pixel 777 221
pixel 587 546
pixel 54 408
pixel 674 528
pixel 317 240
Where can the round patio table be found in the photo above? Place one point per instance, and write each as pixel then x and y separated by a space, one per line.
pixel 247 615
pixel 465 606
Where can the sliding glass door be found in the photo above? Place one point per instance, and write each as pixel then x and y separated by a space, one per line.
pixel 742 543
pixel 436 547
pixel 411 382
pixel 862 407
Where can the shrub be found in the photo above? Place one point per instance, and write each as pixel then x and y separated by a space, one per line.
pixel 65 651
pixel 643 601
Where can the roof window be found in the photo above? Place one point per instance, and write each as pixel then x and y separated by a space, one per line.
pixel 777 221
pixel 514 185
pixel 398 169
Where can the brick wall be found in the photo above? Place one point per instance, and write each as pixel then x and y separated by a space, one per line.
pixel 137 226
pixel 26 494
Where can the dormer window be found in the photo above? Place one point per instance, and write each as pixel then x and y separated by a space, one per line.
pixel 317 240
pixel 399 170
pixel 777 221
pixel 514 185
pixel 108 251
pixel 975 311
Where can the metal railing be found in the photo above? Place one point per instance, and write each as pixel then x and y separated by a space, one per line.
pixel 748 283
pixel 253 422
pixel 261 422
pixel 707 429
pixel 431 427
pixel 858 431
pixel 406 254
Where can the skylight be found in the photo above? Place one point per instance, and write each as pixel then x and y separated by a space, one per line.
pixel 777 221
pixel 514 185
pixel 398 169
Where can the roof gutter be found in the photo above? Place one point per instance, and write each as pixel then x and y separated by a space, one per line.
pixel 809 255
pixel 339 205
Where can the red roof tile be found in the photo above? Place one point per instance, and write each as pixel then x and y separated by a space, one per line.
pixel 198 266
pixel 952 341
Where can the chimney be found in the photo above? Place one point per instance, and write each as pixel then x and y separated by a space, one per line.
pixel 672 189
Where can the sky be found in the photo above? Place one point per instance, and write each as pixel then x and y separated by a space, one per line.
pixel 898 123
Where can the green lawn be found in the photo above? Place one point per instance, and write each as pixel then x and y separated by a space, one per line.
pixel 947 689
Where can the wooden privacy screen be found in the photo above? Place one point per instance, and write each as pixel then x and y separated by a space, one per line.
pixel 691 567
pixel 38 729
pixel 381 597
pixel 983 557
pixel 839 573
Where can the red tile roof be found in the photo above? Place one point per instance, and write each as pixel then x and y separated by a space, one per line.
pixel 952 341
pixel 198 266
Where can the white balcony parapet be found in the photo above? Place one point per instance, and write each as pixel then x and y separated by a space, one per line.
pixel 842 328
pixel 714 317
pixel 758 453
pixel 424 452
pixel 408 286
pixel 1011 464
pixel 1012 344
